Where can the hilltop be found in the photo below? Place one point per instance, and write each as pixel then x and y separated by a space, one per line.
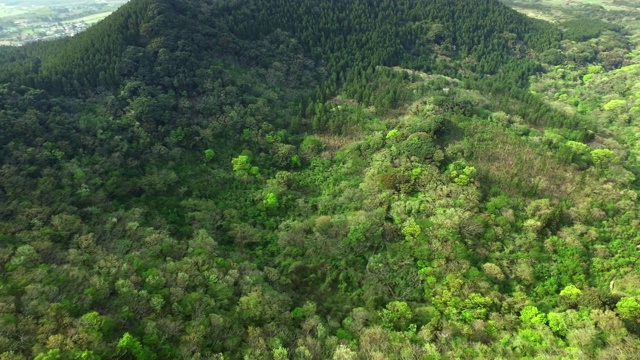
pixel 348 35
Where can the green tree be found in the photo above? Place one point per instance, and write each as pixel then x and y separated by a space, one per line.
pixel 209 154
pixel 271 201
pixel 133 346
pixel 396 315
pixel 603 158
pixel 411 230
pixel 557 323
pixel 628 308
pixel 243 169
pixel 571 294
pixel 531 315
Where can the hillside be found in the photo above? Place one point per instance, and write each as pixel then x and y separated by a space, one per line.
pixel 347 35
pixel 309 180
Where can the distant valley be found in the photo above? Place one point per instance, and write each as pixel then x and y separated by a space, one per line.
pixel 27 21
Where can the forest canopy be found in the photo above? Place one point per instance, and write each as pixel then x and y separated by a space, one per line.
pixel 363 179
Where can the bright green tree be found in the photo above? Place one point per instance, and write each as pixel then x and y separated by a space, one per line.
pixel 243 169
pixel 603 158
pixel 209 154
pixel 133 346
pixel 628 308
pixel 271 201
pixel 531 315
pixel 396 315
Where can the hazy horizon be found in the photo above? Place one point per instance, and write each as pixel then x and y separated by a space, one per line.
pixel 51 2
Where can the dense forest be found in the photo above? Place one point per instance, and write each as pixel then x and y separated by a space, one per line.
pixel 363 179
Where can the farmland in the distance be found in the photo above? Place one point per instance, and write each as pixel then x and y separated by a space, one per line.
pixel 26 21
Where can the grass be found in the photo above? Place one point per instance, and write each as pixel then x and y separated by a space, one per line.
pixel 90 19
pixel 14 12
pixel 518 166
pixel 556 11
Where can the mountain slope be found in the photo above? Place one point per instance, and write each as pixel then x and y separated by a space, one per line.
pixel 346 35
pixel 247 180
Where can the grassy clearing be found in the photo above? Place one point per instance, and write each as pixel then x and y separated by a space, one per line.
pixel 552 17
pixel 557 11
pixel 518 166
pixel 607 4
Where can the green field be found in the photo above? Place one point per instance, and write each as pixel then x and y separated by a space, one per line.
pixel 14 12
pixel 90 19
pixel 563 5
